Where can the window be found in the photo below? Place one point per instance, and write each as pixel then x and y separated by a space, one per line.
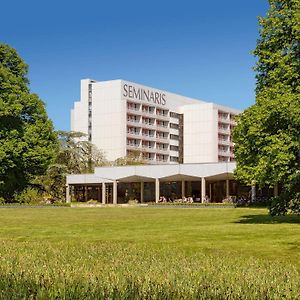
pixel 174 126
pixel 174 137
pixel 174 115
pixel 174 148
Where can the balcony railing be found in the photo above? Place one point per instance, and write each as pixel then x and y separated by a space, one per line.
pixel 224 130
pixel 134 134
pixel 224 120
pixel 162 117
pixel 133 146
pixel 148 149
pixel 158 160
pixel 164 128
pixel 148 136
pixel 134 122
pixel 224 152
pixel 134 110
pixel 224 142
pixel 148 125
pixel 162 150
pixel 148 113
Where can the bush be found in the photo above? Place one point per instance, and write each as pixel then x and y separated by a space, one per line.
pixel 92 201
pixel 286 203
pixel 294 204
pixel 230 200
pixel 29 195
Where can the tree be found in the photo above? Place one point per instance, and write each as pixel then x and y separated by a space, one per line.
pixel 132 159
pixel 74 156
pixel 267 137
pixel 27 140
pixel 78 154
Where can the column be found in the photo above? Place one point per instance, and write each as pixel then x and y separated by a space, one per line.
pixel 203 190
pixel 115 192
pixel 253 193
pixel 227 189
pixel 156 190
pixel 189 188
pixel 86 193
pixel 142 192
pixel 68 199
pixel 210 192
pixel 103 193
pixel 99 194
pixel 182 189
pixel 276 190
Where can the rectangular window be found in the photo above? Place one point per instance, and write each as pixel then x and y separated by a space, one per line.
pixel 173 158
pixel 174 115
pixel 174 126
pixel 174 137
pixel 174 148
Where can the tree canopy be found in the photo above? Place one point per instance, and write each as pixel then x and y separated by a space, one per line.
pixel 267 136
pixel 74 156
pixel 27 140
pixel 133 159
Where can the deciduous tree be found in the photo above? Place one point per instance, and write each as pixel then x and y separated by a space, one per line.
pixel 27 140
pixel 74 156
pixel 268 133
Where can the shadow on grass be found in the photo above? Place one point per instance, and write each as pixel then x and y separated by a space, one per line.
pixel 267 219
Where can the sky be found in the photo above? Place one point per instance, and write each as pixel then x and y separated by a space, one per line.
pixel 196 48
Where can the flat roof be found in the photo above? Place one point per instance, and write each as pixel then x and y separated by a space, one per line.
pixel 170 172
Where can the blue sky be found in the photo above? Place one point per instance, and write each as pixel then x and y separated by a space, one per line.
pixel 195 48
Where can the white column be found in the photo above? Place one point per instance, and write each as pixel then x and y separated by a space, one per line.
pixel 156 190
pixel 203 190
pixel 103 193
pixel 182 189
pixel 276 190
pixel 227 188
pixel 68 199
pixel 99 194
pixel 86 193
pixel 142 192
pixel 253 193
pixel 115 192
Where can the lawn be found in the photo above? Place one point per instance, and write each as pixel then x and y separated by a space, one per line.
pixel 148 253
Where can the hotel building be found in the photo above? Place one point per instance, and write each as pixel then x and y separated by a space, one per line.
pixel 186 142
pixel 122 117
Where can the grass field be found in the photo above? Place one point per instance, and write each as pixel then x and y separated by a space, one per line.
pixel 148 253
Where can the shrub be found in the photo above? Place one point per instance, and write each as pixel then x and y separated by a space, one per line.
pixel 92 201
pixel 29 195
pixel 2 200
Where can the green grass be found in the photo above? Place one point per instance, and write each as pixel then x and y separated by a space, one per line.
pixel 148 253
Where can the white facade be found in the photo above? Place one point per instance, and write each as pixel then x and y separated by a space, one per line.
pixel 120 117
pixel 202 174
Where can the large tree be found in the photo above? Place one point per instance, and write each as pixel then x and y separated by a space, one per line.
pixel 135 158
pixel 27 140
pixel 267 136
pixel 74 156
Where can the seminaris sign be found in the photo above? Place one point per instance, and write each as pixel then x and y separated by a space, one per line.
pixel 141 94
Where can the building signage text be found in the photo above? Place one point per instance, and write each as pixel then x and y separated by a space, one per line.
pixel 133 92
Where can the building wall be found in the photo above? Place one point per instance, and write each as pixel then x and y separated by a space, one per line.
pixel 200 133
pixel 120 117
pixel 108 119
